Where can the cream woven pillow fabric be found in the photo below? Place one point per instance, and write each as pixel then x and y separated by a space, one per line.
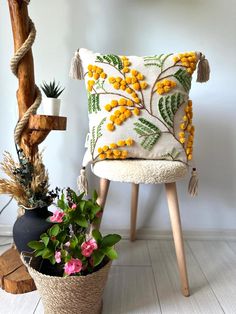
pixel 139 107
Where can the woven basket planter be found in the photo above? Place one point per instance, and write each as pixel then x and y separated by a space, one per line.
pixel 69 295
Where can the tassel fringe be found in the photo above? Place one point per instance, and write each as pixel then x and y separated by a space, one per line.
pixel 203 71
pixel 76 69
pixel 193 183
pixel 82 182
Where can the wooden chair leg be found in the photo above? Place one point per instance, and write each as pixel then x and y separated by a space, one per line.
pixel 102 196
pixel 134 207
pixel 172 199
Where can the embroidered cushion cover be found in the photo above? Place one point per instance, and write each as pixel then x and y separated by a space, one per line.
pixel 139 107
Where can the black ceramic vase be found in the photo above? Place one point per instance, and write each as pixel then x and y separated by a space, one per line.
pixel 30 226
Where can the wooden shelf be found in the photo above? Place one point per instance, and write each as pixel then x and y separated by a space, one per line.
pixel 47 123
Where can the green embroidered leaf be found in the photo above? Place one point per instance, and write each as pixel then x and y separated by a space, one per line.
pixel 93 103
pixel 156 60
pixel 168 106
pixel 93 139
pixel 111 59
pixel 149 133
pixel 99 128
pixel 173 155
pixel 184 78
pixel 95 135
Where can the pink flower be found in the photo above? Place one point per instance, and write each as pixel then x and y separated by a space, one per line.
pixel 88 247
pixel 67 244
pixel 57 216
pixel 58 256
pixel 73 266
pixel 73 206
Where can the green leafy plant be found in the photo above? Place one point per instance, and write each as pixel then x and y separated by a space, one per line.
pixel 51 89
pixel 68 245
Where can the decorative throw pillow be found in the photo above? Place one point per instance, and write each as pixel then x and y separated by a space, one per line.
pixel 139 107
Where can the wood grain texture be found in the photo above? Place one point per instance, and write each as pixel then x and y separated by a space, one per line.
pixel 26 91
pixel 130 289
pixel 47 123
pixel 14 278
pixel 202 299
pixel 173 205
pixel 218 263
pixel 134 210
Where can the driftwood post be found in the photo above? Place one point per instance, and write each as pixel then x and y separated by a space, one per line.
pixel 13 275
pixel 34 133
pixel 26 92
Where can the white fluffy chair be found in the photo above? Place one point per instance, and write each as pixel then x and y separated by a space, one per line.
pixel 149 172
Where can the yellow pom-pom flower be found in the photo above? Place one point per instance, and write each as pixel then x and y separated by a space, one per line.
pixel 125 70
pixel 136 111
pixel 113 145
pixel 110 127
pixel 118 121
pixel 108 107
pixel 140 76
pixel 103 75
pixel 129 141
pixel 111 80
pixel 128 113
pixel 121 143
pixel 134 72
pixel 136 86
pixel 114 103
pixel 122 101
pixel 143 85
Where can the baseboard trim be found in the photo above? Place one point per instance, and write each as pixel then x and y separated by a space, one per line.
pixel 5 230
pixel 152 234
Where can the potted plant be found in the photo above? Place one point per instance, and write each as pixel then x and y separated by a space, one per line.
pixel 70 263
pixel 51 104
pixel 27 182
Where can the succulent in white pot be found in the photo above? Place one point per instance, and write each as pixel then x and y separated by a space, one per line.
pixel 51 103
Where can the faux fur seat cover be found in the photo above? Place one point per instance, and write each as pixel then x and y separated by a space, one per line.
pixel 140 171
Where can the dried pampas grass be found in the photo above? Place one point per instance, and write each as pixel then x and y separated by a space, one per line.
pixel 14 187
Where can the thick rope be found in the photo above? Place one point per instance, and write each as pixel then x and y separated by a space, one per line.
pixel 19 54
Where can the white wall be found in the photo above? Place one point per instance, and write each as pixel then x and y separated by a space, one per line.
pixel 135 27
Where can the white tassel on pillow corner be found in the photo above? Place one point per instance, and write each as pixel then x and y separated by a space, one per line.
pixel 203 70
pixel 76 69
pixel 193 183
pixel 82 181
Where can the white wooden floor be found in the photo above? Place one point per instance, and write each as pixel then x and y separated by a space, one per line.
pixel 145 280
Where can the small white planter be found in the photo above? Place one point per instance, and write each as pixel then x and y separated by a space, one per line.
pixel 51 106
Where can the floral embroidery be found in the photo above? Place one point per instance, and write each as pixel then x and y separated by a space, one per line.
pixel 127 88
pixel 113 151
pixel 186 136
